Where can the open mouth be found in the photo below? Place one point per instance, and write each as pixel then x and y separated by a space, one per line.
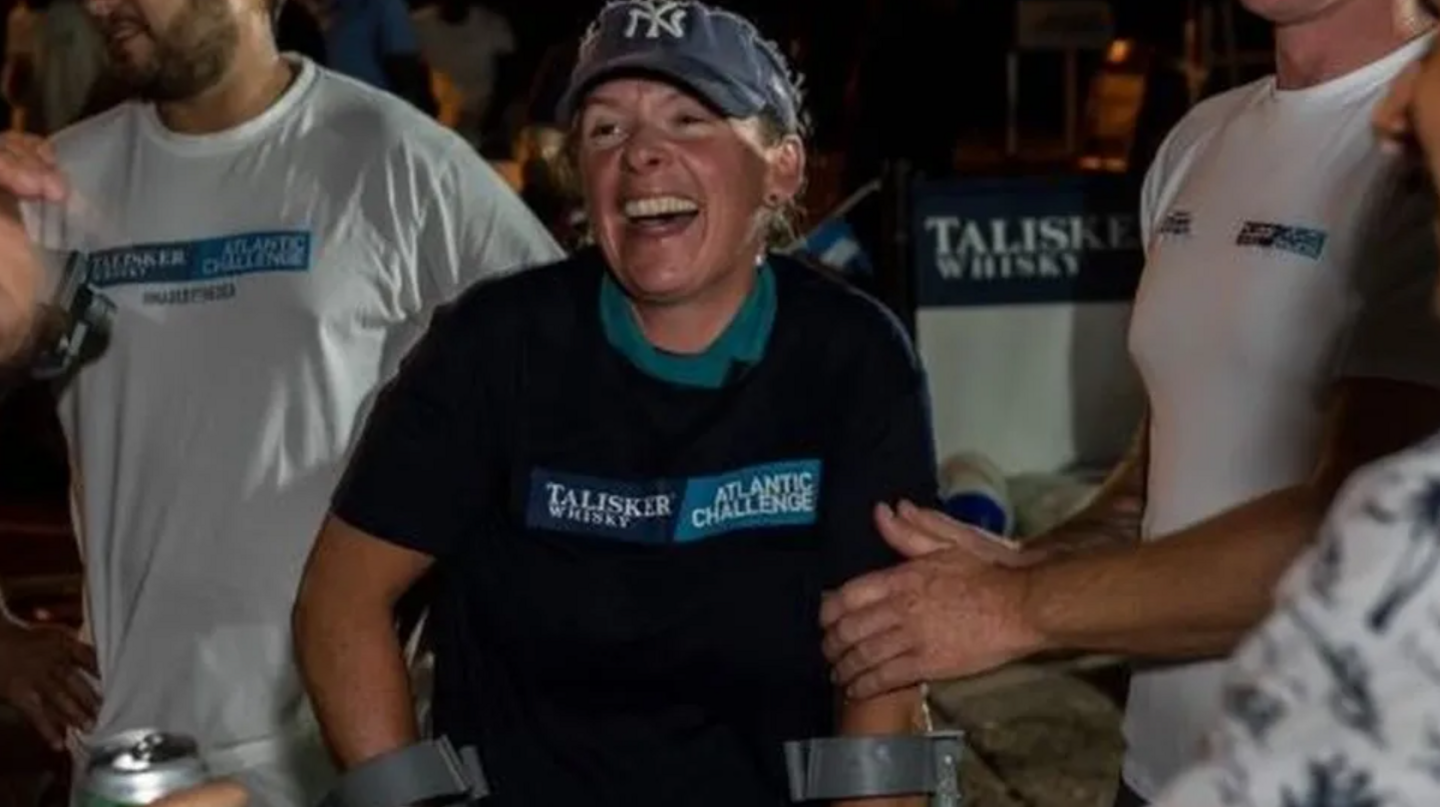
pixel 661 215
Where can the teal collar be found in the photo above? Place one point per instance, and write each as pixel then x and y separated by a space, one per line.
pixel 742 342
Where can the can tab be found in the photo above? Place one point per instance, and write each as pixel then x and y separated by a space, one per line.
pixel 144 751
pixel 829 768
pixel 430 772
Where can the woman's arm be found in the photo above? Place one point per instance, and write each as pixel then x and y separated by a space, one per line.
pixel 896 713
pixel 345 640
pixel 885 455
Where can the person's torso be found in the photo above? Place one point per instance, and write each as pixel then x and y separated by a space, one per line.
pixel 1265 227
pixel 1335 699
pixel 1272 210
pixel 265 282
pixel 635 622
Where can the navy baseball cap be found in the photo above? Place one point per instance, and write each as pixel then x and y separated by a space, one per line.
pixel 716 54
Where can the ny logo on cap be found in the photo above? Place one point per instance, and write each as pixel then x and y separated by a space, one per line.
pixel 658 16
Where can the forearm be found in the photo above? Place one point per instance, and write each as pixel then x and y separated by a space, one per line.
pixel 20 280
pixel 895 713
pixel 1114 515
pixel 1191 595
pixel 355 673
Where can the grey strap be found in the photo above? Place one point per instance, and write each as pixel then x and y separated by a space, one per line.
pixel 861 767
pixel 429 771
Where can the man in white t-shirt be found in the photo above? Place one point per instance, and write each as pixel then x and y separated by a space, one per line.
pixel 1335 699
pixel 1283 335
pixel 274 237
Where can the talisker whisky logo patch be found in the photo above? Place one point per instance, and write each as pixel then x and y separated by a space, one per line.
pixel 676 510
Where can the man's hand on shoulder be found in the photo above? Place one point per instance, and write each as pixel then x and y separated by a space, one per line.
pixel 955 607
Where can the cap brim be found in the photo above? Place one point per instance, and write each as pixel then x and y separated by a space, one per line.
pixel 688 74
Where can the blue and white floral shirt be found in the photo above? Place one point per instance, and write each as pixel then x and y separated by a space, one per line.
pixel 1334 701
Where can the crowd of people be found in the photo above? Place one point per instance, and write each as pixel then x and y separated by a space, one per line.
pixel 670 499
pixel 443 57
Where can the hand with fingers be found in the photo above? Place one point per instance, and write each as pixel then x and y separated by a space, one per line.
pixel 28 172
pixel 954 608
pixel 43 674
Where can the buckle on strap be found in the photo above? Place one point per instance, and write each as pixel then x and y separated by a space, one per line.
pixel 828 768
pixel 429 771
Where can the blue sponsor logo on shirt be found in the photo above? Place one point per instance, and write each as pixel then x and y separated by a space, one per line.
pixel 203 260
pixel 774 495
pixel 665 511
pixel 1304 241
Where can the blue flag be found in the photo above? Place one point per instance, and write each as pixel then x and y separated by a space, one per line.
pixel 834 243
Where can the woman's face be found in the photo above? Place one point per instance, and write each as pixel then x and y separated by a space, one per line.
pixel 1409 119
pixel 677 194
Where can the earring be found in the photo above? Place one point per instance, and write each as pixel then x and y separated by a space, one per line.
pixel 772 200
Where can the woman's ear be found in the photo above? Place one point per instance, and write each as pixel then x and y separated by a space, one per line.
pixel 786 174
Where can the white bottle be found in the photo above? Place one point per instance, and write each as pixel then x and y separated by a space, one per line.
pixel 973 491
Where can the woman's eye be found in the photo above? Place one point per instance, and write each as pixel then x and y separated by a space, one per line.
pixel 605 135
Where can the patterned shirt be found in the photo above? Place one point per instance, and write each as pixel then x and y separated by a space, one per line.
pixel 1335 700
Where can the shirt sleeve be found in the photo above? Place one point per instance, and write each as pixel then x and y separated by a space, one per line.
pixel 1155 190
pixel 884 453
pixel 417 476
pixel 478 227
pixel 397 31
pixel 1395 334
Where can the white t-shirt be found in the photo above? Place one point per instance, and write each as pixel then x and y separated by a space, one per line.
pixel 268 280
pixel 1285 252
pixel 1334 701
pixel 463 57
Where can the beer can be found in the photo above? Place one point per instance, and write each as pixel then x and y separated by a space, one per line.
pixel 137 767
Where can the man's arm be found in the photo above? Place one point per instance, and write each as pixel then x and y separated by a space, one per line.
pixel 28 171
pixel 345 641
pixel 1197 592
pixel 953 611
pixel 19 288
pixel 1113 516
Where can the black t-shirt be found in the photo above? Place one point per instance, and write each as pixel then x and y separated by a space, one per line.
pixel 629 571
